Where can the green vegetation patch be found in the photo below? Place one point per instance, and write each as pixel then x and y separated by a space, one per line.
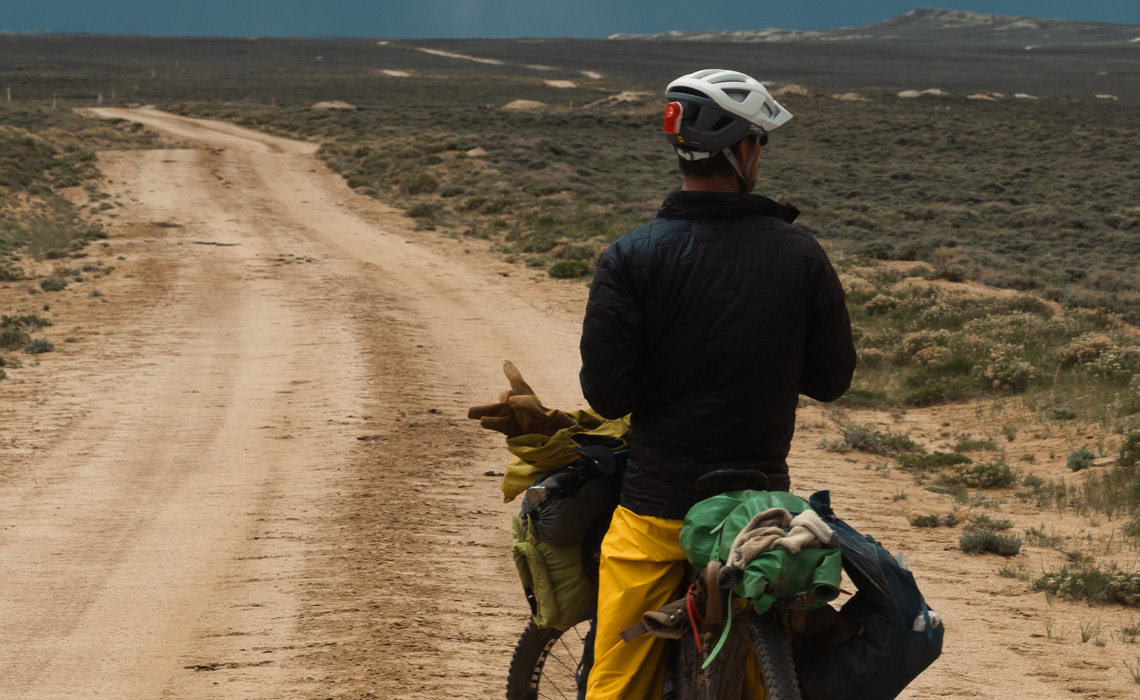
pixel 44 151
pixel 975 446
pixel 933 461
pixel 1129 451
pixel 1093 584
pixel 984 541
pixel 864 439
pixel 1080 459
pixel 39 346
pixel 983 522
pixel 987 475
pixel 934 520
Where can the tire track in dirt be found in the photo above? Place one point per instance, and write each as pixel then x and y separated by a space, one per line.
pixel 374 592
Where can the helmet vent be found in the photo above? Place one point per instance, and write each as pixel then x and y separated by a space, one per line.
pixel 737 95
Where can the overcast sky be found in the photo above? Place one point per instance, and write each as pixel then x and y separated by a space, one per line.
pixel 496 18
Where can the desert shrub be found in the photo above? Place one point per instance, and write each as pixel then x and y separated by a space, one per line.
pixel 567 269
pixel 950 273
pixel 871 358
pixel 1005 374
pixel 933 461
pixel 423 210
pixel 419 183
pixel 1085 349
pixel 1080 459
pixel 979 523
pixel 1064 413
pixel 1129 451
pixel 1038 536
pixel 923 346
pixel 863 439
pixel 576 252
pixel 1092 584
pixel 1118 365
pixel 29 323
pixel 985 475
pixel 39 346
pixel 989 541
pixel 12 338
pixel 53 283
pixel 934 520
pixel 865 398
pixel 880 304
pixel 10 273
pixel 938 391
pixel 973 445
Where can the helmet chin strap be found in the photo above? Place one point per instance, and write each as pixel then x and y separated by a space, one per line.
pixel 739 171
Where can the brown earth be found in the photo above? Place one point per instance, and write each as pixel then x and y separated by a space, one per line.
pixel 250 475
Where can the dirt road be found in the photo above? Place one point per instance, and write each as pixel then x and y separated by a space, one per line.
pixel 250 475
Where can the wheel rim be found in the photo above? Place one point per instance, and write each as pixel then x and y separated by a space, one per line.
pixel 557 673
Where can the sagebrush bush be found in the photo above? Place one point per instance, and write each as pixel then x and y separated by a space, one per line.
pixel 1080 459
pixel 1129 451
pixel 1093 584
pixel 53 283
pixel 989 541
pixel 38 346
pixel 984 522
pixel 12 338
pixel 982 476
pixel 934 520
pixel 932 461
pixel 568 269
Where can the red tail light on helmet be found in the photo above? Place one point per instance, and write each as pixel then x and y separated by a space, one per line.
pixel 673 117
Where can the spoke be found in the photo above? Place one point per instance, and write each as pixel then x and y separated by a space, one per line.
pixel 563 664
pixel 569 651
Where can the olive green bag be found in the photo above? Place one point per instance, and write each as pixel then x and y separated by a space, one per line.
pixel 559 592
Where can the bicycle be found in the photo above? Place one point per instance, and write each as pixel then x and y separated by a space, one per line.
pixel 550 663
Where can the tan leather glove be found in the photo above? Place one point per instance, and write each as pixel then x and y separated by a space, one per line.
pixel 519 412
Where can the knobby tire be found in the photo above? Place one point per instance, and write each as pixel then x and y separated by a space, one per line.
pixel 546 663
pixel 767 643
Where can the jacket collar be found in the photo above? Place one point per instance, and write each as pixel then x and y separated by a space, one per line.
pixel 691 204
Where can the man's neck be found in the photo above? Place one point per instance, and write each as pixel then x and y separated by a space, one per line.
pixel 719 183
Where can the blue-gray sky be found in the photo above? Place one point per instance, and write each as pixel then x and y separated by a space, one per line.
pixel 496 18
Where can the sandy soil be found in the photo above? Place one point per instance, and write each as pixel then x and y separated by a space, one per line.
pixel 251 476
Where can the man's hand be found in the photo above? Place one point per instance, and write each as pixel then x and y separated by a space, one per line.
pixel 519 412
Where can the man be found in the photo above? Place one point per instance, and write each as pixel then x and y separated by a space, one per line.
pixel 705 324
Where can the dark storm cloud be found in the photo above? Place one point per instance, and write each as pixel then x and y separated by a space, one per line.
pixel 495 18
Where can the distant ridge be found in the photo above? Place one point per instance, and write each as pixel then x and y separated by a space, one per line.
pixel 931 24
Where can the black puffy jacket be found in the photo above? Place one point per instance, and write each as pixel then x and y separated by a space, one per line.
pixel 706 324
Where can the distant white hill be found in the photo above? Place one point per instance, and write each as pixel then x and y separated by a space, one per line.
pixel 931 24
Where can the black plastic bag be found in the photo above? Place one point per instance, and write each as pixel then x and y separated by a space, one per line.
pixel 889 653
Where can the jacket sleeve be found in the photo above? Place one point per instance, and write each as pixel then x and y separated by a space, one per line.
pixel 829 350
pixel 612 341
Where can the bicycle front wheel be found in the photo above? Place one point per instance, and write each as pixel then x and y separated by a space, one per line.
pixel 550 663
pixel 768 654
pixel 755 663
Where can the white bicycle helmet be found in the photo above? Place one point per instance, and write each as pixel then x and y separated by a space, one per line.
pixel 711 110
